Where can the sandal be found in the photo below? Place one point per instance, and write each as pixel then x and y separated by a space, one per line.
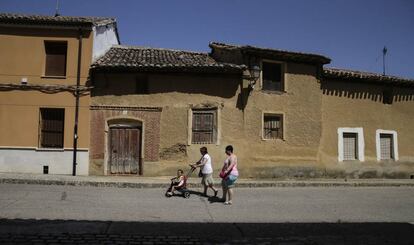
pixel 228 203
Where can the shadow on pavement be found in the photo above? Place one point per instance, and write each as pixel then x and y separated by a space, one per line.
pixel 15 231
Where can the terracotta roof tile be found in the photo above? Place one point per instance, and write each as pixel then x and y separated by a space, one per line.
pixel 344 74
pixel 13 18
pixel 148 59
pixel 276 53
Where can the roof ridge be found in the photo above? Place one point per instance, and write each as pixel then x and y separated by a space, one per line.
pixel 162 49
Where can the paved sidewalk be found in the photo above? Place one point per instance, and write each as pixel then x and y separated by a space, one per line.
pixel 163 181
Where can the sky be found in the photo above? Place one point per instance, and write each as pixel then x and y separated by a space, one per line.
pixel 352 33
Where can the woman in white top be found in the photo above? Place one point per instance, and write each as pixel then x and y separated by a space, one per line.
pixel 206 170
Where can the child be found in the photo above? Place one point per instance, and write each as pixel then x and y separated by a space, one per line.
pixel 176 183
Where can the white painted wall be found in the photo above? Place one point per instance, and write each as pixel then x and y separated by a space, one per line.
pixel 32 161
pixel 103 39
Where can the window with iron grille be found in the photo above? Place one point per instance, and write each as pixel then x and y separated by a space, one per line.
pixel 204 127
pixel 272 76
pixel 51 127
pixel 386 144
pixel 350 146
pixel 56 53
pixel 273 126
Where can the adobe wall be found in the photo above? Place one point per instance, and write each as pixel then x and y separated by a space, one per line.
pixel 350 104
pixel 240 126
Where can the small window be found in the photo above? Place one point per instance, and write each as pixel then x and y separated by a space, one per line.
pixel 272 76
pixel 386 144
pixel 350 146
pixel 51 127
pixel 204 127
pixel 273 127
pixel 55 58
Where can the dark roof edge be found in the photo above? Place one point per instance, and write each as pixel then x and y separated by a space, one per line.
pixel 252 49
pixel 336 73
pixel 16 19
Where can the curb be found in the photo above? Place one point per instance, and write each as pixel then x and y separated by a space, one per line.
pixel 241 184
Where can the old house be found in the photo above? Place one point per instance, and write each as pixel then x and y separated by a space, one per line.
pixel 44 67
pixel 285 114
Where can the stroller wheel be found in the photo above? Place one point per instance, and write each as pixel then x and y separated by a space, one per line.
pixel 186 194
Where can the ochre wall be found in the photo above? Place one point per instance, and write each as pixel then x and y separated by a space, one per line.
pixel 350 104
pixel 23 56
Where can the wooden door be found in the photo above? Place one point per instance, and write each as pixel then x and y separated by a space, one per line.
pixel 124 150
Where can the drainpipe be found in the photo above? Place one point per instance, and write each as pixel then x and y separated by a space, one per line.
pixel 75 131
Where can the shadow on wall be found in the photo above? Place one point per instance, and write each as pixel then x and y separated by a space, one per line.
pixel 42 231
pixel 367 91
pixel 224 86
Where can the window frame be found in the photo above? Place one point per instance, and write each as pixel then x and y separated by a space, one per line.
pixel 394 134
pixel 282 75
pixel 274 114
pixel 50 42
pixel 40 136
pixel 215 129
pixel 360 143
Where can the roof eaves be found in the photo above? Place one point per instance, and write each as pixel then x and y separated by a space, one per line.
pixel 352 75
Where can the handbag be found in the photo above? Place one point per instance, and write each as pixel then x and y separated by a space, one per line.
pixel 223 174
pixel 200 174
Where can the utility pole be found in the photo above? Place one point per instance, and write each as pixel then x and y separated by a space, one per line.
pixel 75 130
pixel 384 52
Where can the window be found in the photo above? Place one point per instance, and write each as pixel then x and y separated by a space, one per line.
pixel 51 127
pixel 387 147
pixel 55 58
pixel 204 127
pixel 272 126
pixel 272 76
pixel 351 144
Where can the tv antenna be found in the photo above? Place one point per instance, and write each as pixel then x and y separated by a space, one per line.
pixel 384 52
pixel 57 9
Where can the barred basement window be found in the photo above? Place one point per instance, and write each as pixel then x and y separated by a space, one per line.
pixel 273 126
pixel 386 144
pixel 51 127
pixel 56 53
pixel 204 127
pixel 272 76
pixel 350 146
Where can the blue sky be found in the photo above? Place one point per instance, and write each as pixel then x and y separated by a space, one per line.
pixel 351 32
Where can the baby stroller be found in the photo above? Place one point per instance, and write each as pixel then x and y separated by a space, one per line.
pixel 183 188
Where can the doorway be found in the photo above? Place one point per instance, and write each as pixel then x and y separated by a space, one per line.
pixel 125 142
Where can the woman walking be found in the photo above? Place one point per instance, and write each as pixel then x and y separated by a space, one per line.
pixel 207 171
pixel 229 173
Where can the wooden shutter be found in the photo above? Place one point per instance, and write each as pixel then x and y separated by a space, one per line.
pixel 203 127
pixel 55 58
pixel 272 76
pixel 386 144
pixel 52 128
pixel 350 146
